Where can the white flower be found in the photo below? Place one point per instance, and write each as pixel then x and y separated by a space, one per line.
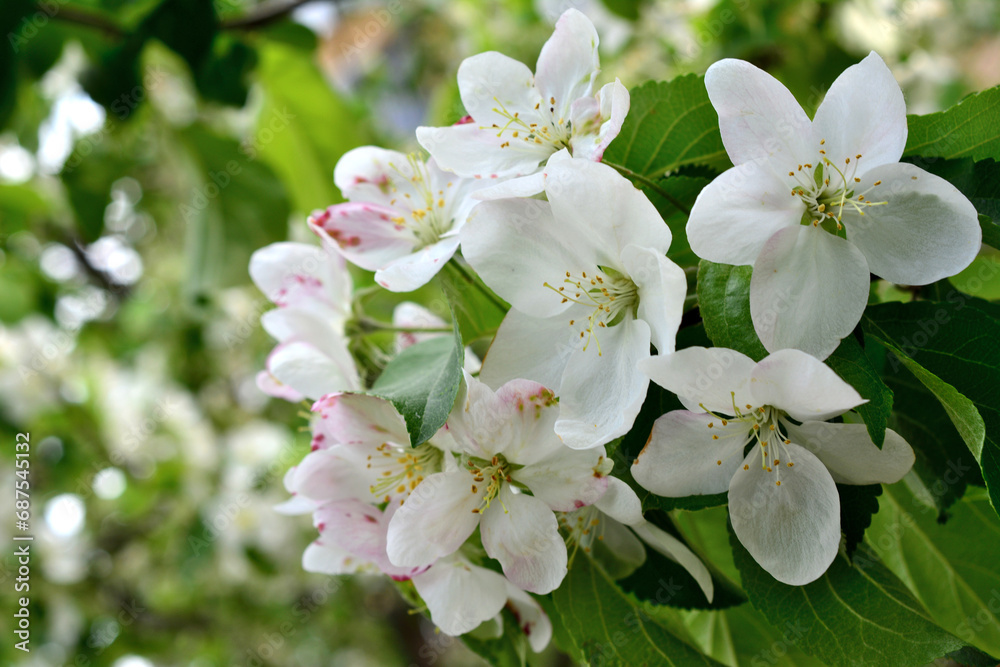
pixel 312 289
pixel 616 520
pixel 519 119
pixel 816 205
pixel 509 447
pixel 402 217
pixel 590 286
pixel 782 498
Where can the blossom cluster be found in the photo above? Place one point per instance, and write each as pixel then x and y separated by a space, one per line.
pixel 493 508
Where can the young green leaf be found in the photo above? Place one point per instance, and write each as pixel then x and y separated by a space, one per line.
pixel 724 302
pixel 850 362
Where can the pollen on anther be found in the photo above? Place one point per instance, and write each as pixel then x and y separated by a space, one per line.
pixel 822 141
pixel 790 464
pixel 746 467
pixel 778 483
pixel 718 463
pixel 715 437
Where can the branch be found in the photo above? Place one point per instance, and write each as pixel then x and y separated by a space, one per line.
pixel 265 16
pixel 85 18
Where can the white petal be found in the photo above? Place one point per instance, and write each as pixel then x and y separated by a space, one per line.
pixel 615 103
pixel 364 233
pixel 567 480
pixel 435 519
pixel 704 379
pixel 808 291
pixel 735 215
pixel 522 533
pixel 325 557
pixel 927 231
pixel 850 455
pixel 863 112
pixel 375 175
pixel 410 272
pixel 602 388
pixel 471 152
pixel 677 551
pixel 531 618
pixel 271 386
pixel 682 459
pixel 758 117
pixel 360 420
pixel 618 549
pixel 802 386
pixel 310 372
pixel 361 528
pixel 620 503
pixel 290 273
pixel 662 288
pixel 330 474
pixel 491 82
pixel 568 62
pixel 791 530
pixel 533 348
pixel 460 595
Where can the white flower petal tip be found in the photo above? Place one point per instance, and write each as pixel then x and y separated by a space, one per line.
pixel 814 206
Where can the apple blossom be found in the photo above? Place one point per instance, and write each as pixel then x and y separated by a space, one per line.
pixel 783 501
pixel 590 286
pixel 815 206
pixel 518 119
pixel 508 447
pixel 402 217
pixel 312 290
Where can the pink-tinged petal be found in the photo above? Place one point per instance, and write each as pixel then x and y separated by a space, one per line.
pixel 327 558
pixel 460 596
pixel 735 215
pixel 603 389
pixel 802 386
pixel 435 519
pixel 677 551
pixel 490 84
pixel 375 175
pixel 863 112
pixel 531 618
pixel 360 420
pixel 849 454
pixel 368 235
pixel 413 271
pixel 704 379
pixel 758 117
pixel 792 530
pixel 522 533
pixel 360 529
pixel 471 152
pixel 926 231
pixel 291 274
pixel 568 62
pixel 332 474
pixel 309 371
pixel 271 386
pixel 808 291
pixel 533 348
pixel 681 457
pixel 662 288
pixel 620 503
pixel 568 479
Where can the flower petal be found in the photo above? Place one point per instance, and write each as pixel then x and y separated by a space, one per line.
pixel 360 420
pixel 533 348
pixel 490 83
pixel 325 557
pixel 568 63
pixel 471 152
pixel 292 273
pixel 662 288
pixel 434 520
pixel 677 551
pixel 330 474
pixel 808 290
pixel 522 533
pixel 271 386
pixel 366 234
pixel 735 215
pixel 310 372
pixel 681 458
pixel 849 453
pixel 704 379
pixel 802 386
pixel 620 502
pixel 863 112
pixel 531 618
pixel 415 270
pixel 460 596
pixel 568 479
pixel 927 231
pixel 602 388
pixel 758 117
pixel 791 530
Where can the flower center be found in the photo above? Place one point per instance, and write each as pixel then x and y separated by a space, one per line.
pixel 828 191
pixel 401 470
pixel 548 131
pixel 488 478
pixel 428 218
pixel 763 426
pixel 582 527
pixel 611 296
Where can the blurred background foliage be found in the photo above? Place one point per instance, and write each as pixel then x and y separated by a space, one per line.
pixel 147 147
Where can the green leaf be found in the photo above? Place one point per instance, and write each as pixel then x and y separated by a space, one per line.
pixel 477 314
pixel 422 382
pixel 724 301
pixel 968 129
pixel 991 231
pixel 950 567
pixel 850 362
pixel 857 505
pixel 953 348
pixel 860 615
pixel 609 627
pixel 670 124
pixel 304 127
